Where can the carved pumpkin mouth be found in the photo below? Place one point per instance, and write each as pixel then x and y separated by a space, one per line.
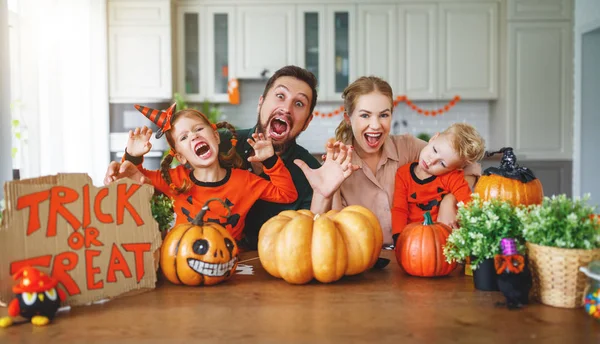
pixel 212 270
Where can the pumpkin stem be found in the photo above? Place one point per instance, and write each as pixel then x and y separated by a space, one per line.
pixel 197 221
pixel 509 159
pixel 428 221
pixel 509 167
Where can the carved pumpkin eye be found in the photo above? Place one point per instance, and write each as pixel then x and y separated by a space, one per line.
pixel 229 244
pixel 29 298
pixel 200 247
pixel 51 294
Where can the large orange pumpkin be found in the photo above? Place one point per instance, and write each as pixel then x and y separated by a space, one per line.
pixel 420 249
pixel 199 253
pixel 299 246
pixel 510 182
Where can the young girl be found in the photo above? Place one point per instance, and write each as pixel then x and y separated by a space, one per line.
pixel 204 173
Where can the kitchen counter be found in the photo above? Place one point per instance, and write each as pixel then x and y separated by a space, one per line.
pixel 377 306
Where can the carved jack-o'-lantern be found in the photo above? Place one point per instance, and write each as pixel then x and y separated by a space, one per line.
pixel 199 253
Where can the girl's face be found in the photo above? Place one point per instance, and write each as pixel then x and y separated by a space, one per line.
pixel 196 142
pixel 371 121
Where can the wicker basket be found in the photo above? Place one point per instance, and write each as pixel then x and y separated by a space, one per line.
pixel 557 280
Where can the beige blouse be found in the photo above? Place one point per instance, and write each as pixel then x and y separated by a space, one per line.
pixel 376 192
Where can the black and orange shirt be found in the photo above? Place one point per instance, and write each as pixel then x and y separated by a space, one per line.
pixel 239 189
pixel 413 196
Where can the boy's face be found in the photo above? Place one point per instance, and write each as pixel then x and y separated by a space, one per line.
pixel 439 157
pixel 196 142
pixel 285 112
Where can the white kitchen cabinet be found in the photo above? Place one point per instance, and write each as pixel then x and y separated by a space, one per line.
pixel 540 9
pixel 311 41
pixel 139 49
pixel 468 50
pixel 326 44
pixel 203 74
pixel 340 63
pixel 378 42
pixel 219 60
pixel 265 39
pixel 539 89
pixel 417 58
pixel 190 59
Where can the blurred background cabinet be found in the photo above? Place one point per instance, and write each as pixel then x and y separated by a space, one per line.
pixel 139 50
pixel 202 72
pixel 266 39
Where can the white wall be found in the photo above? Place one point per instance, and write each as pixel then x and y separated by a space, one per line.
pixel 320 129
pixel 587 18
pixel 590 116
pixel 5 117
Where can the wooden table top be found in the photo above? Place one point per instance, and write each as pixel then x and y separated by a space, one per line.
pixel 377 306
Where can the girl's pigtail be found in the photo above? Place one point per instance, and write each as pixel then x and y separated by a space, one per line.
pixel 231 158
pixel 165 167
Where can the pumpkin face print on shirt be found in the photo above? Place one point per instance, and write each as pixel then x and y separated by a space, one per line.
pixel 217 213
pixel 425 201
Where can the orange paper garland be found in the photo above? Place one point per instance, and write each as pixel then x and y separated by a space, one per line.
pixel 398 100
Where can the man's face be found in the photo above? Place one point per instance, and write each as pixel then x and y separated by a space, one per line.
pixel 285 112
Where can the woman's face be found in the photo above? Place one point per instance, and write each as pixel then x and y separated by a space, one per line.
pixel 371 121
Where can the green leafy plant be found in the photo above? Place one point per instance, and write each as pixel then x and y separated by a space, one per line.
pixel 562 222
pixel 424 136
pixel 483 224
pixel 212 111
pixel 17 133
pixel 15 127
pixel 162 211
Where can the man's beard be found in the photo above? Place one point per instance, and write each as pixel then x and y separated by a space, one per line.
pixel 278 147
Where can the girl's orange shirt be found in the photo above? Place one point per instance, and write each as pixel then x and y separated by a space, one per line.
pixel 239 190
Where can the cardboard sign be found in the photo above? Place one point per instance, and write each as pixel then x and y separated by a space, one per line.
pixel 98 242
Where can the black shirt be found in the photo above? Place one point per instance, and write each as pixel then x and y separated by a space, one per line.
pixel 263 210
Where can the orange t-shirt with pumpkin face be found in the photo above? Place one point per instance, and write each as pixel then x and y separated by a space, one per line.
pixel 413 196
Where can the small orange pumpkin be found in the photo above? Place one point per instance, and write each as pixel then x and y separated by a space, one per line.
pixel 420 249
pixel 199 253
pixel 510 182
pixel 299 246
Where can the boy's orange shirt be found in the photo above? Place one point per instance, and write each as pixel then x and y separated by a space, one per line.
pixel 413 196
pixel 239 190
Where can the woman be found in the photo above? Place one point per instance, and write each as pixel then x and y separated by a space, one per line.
pixel 368 104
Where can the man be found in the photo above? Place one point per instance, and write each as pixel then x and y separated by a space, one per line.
pixel 284 111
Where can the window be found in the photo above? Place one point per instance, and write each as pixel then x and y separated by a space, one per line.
pixel 15 85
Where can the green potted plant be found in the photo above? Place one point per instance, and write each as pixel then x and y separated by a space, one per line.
pixel 162 211
pixel 561 235
pixel 483 224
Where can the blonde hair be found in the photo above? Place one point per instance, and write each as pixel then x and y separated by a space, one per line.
pixel 466 141
pixel 231 159
pixel 360 87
